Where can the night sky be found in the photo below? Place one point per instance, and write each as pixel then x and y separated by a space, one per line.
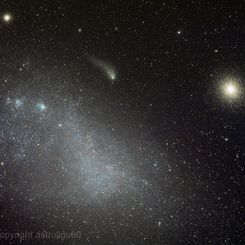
pixel 122 121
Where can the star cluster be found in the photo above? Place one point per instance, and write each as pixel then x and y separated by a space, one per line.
pixel 231 89
pixel 7 17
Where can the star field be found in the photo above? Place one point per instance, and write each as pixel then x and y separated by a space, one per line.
pixel 122 122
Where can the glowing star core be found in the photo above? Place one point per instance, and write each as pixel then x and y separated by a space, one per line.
pixel 7 17
pixel 230 89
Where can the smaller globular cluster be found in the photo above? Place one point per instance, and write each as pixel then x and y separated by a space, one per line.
pixel 7 17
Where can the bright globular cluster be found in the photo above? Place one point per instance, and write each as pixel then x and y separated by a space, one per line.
pixel 231 89
pixel 7 17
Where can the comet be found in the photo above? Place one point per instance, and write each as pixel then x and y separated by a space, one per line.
pixel 108 69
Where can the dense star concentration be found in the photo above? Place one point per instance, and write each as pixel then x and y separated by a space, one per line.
pixel 122 122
